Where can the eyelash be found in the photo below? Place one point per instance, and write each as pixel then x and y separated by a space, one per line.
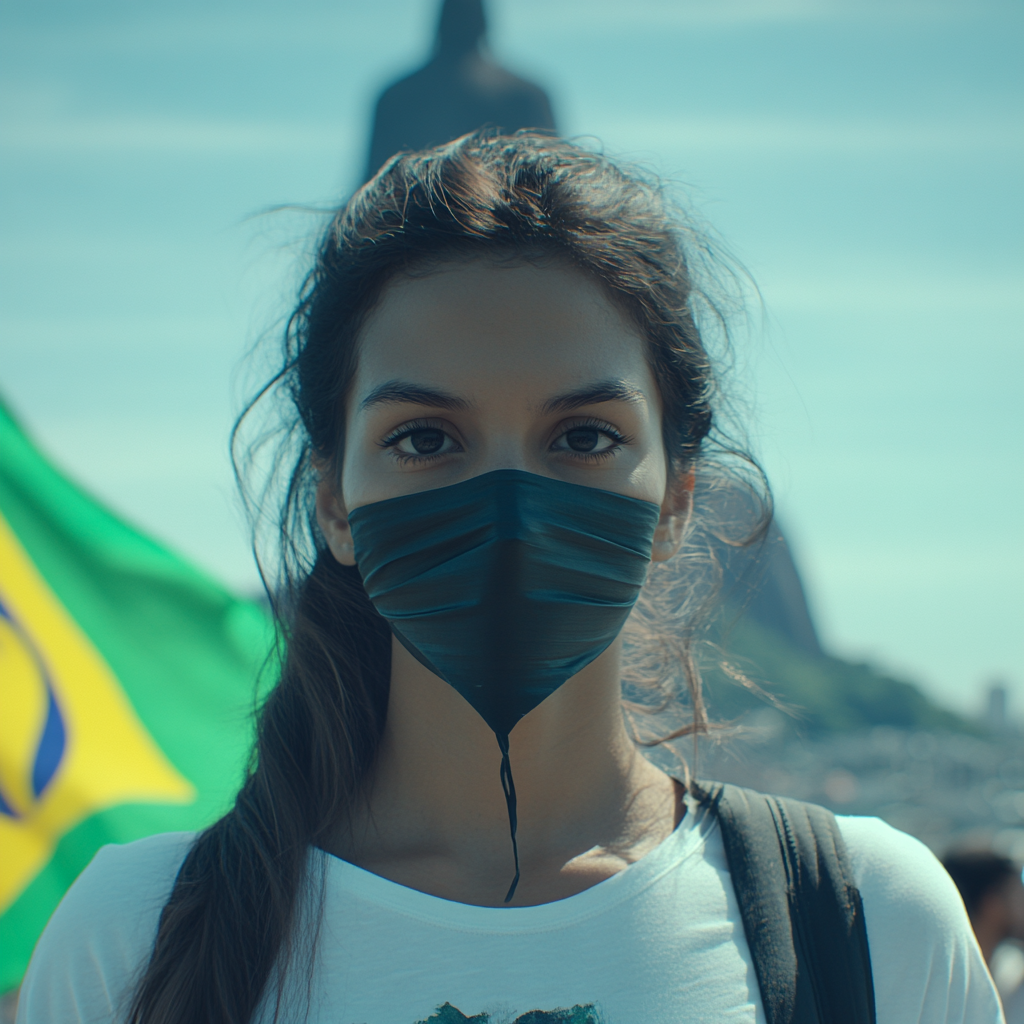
pixel 397 435
pixel 402 432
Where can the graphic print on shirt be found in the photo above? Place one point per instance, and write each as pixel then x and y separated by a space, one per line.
pixel 449 1014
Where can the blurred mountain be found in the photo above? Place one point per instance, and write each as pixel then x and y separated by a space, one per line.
pixel 763 581
pixel 822 693
pixel 765 629
pixel 840 733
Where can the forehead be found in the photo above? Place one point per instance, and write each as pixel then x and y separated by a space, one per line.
pixel 544 326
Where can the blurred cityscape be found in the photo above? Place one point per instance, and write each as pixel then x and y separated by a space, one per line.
pixel 949 789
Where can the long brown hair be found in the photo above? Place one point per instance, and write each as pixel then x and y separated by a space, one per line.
pixel 230 922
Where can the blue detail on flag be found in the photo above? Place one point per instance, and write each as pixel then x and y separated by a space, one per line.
pixel 51 746
pixel 53 741
pixel 6 808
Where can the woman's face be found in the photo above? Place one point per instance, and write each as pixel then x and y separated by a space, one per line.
pixel 476 367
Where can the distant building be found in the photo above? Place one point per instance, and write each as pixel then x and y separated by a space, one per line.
pixel 995 707
pixel 461 88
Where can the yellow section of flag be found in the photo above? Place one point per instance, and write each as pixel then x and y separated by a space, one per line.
pixel 71 744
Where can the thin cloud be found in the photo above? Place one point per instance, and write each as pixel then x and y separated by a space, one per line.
pixel 345 27
pixel 894 293
pixel 67 134
pixel 184 136
pixel 802 135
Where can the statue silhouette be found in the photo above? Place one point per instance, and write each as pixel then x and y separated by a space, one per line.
pixel 459 89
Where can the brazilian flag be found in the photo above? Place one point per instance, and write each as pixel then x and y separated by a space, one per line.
pixel 127 681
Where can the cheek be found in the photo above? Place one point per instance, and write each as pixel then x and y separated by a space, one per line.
pixel 649 477
pixel 356 480
pixel 357 476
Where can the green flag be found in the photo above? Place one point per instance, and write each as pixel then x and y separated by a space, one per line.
pixel 127 680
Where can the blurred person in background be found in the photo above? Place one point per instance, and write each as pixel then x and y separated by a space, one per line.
pixel 498 390
pixel 461 88
pixel 993 894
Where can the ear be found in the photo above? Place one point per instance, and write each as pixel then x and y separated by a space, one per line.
pixel 333 519
pixel 675 515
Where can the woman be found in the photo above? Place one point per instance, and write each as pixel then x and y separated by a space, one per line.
pixel 504 402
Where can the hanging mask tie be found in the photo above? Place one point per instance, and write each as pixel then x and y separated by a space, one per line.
pixel 505 586
pixel 509 787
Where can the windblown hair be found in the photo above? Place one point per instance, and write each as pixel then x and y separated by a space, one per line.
pixel 228 929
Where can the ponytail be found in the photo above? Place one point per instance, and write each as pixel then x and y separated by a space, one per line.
pixel 229 919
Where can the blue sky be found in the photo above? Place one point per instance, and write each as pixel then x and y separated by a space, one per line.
pixel 862 158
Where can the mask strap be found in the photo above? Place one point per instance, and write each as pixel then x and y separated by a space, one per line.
pixel 510 800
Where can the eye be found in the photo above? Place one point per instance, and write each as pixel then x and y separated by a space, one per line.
pixel 586 439
pixel 428 441
pixel 589 439
pixel 419 441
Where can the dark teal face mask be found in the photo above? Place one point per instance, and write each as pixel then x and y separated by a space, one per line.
pixel 505 585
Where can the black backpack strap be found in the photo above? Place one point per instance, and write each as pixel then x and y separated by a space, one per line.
pixel 802 914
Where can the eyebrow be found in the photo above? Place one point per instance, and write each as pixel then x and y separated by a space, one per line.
pixel 592 394
pixel 396 392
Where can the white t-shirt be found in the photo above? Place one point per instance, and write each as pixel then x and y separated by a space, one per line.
pixel 661 942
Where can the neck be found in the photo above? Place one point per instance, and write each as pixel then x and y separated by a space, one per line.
pixel 435 816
